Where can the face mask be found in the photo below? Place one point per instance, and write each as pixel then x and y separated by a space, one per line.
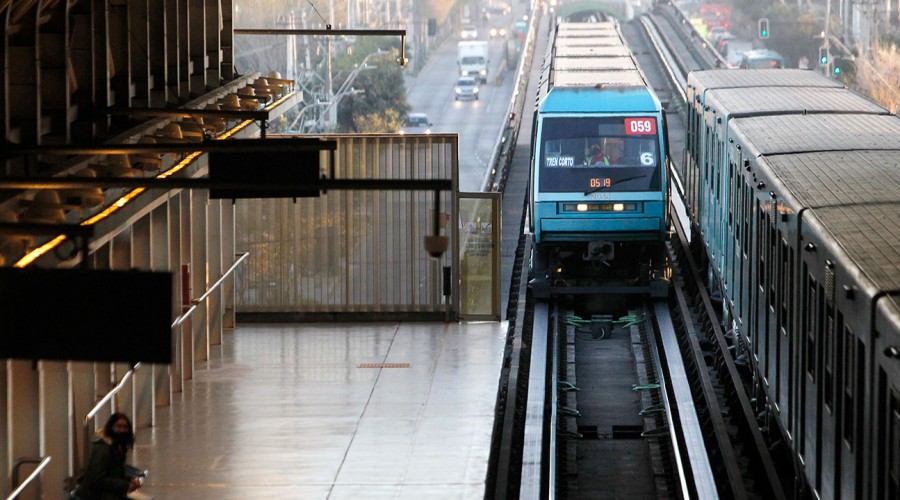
pixel 121 437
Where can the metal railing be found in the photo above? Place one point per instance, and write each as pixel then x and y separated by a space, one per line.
pixel 42 462
pixel 195 302
pixel 89 418
pixel 495 179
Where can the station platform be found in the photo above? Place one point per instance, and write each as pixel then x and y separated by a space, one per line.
pixel 331 411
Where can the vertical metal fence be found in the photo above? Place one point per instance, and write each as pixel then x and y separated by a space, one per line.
pixel 351 251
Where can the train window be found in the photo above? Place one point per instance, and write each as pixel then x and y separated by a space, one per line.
pixel 773 262
pixel 622 154
pixel 820 325
pixel 716 170
pixel 748 207
pixel 786 277
pixel 828 361
pixel 736 207
pixel 761 247
pixel 809 324
pixel 890 480
pixel 731 191
pixel 849 372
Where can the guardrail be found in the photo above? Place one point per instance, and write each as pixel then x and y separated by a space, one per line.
pixel 195 302
pixel 42 462
pixel 495 179
pixel 89 418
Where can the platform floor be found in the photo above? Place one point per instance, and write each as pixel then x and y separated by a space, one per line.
pixel 331 411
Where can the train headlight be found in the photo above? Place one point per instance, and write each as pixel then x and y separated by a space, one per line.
pixel 599 207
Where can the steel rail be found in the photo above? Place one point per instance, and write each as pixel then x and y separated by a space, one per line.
pixel 694 468
pixel 731 372
pixel 534 482
pixel 720 431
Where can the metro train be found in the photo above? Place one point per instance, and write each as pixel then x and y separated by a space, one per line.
pixel 599 184
pixel 793 189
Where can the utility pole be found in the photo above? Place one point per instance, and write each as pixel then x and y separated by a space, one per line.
pixel 329 91
pixel 825 42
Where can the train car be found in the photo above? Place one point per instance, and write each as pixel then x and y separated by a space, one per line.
pixel 793 187
pixel 599 183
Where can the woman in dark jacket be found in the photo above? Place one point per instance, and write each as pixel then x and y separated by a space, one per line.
pixel 105 478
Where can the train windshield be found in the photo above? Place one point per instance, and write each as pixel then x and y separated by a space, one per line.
pixel 599 154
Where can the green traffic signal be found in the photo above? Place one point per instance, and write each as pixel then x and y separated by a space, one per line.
pixel 823 56
pixel 763 26
pixel 837 70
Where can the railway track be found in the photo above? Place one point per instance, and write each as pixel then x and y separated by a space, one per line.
pixel 699 424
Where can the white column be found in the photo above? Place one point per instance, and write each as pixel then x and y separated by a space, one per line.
pixel 160 244
pixel 24 417
pixel 199 273
pixel 214 265
pixel 53 380
pixel 142 411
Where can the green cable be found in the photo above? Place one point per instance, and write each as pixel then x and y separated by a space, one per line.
pixel 576 321
pixel 567 386
pixel 568 411
pixel 652 409
pixel 647 387
pixel 655 432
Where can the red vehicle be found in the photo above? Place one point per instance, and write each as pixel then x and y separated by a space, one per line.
pixel 714 15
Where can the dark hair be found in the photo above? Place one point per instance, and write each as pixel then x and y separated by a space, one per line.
pixel 111 421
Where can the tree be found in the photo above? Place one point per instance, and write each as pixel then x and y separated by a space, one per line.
pixel 383 106
pixel 878 74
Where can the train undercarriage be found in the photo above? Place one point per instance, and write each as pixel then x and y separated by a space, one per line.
pixel 600 267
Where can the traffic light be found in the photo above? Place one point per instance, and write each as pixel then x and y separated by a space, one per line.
pixel 823 56
pixel 844 67
pixel 432 26
pixel 763 27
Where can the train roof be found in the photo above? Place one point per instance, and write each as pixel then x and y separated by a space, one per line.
pixel 594 64
pixel 731 78
pixel 586 29
pixel 585 51
pixel 870 236
pixel 784 134
pixel 762 101
pixel 598 79
pixel 637 99
pixel 889 307
pixel 852 176
pixel 592 55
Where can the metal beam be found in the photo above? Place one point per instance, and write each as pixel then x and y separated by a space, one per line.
pixel 248 145
pixel 205 183
pixel 329 31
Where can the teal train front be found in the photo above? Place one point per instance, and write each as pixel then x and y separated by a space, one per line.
pixel 599 177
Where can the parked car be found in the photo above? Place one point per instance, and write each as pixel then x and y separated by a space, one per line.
pixel 466 88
